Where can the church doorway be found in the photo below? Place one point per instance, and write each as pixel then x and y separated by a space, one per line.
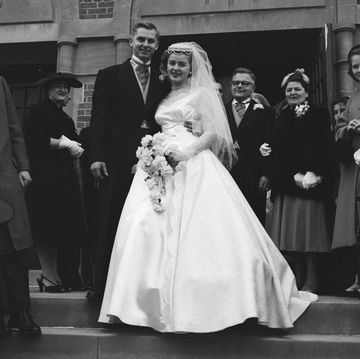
pixel 22 65
pixel 271 55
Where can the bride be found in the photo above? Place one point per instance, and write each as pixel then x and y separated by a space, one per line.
pixel 205 262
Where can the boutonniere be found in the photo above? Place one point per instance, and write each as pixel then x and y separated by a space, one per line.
pixel 258 106
pixel 300 110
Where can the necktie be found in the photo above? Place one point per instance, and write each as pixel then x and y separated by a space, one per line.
pixel 142 72
pixel 240 109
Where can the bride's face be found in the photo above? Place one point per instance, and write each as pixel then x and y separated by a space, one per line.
pixel 178 69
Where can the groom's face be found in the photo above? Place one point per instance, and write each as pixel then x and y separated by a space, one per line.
pixel 144 43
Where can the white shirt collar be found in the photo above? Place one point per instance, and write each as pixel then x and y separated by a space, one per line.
pixel 137 61
pixel 246 102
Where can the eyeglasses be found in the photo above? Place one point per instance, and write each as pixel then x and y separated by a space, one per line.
pixel 242 83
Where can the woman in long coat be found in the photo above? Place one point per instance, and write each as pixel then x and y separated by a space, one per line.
pixel 15 234
pixel 54 197
pixel 347 218
pixel 300 175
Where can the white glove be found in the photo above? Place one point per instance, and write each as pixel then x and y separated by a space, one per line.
pixel 311 180
pixel 265 150
pixel 298 178
pixel 73 147
pixel 357 156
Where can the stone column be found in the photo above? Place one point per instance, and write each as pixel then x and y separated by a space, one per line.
pixel 123 48
pixel 66 54
pixel 344 40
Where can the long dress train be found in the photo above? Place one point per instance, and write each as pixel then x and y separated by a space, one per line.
pixel 206 262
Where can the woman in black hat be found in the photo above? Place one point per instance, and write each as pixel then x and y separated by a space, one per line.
pixel 54 197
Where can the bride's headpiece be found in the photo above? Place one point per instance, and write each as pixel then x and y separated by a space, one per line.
pixel 297 73
pixel 179 50
pixel 210 105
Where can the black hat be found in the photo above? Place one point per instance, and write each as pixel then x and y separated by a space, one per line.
pixel 63 76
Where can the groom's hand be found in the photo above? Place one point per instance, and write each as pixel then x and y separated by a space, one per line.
pixel 99 170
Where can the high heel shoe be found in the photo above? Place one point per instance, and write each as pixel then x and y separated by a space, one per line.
pixel 54 288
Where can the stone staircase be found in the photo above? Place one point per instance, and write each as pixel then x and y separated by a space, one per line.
pixel 330 328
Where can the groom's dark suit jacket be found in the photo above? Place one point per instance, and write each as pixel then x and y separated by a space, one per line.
pixel 115 133
pixel 254 129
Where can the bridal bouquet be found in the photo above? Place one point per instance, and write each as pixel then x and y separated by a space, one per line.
pixel 156 161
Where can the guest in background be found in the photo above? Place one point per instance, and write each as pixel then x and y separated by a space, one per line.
pixel 347 218
pixel 16 245
pixel 53 197
pixel 299 174
pixel 339 107
pixel 251 124
pixel 219 88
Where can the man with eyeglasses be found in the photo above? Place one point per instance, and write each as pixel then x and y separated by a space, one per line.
pixel 251 125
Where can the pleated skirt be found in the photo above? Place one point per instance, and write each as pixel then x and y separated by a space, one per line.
pixel 299 225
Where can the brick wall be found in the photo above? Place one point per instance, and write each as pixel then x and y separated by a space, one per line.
pixel 96 9
pixel 84 109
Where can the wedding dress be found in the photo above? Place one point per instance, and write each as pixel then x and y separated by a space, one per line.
pixel 203 264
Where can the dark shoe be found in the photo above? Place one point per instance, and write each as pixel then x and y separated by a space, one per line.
pixel 93 296
pixel 23 323
pixel 4 331
pixel 78 288
pixel 54 288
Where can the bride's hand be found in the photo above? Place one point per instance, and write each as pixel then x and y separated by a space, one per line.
pixel 177 154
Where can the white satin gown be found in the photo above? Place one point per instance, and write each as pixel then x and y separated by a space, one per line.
pixel 205 263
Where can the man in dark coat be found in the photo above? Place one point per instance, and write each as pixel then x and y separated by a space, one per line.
pixel 251 124
pixel 15 234
pixel 124 102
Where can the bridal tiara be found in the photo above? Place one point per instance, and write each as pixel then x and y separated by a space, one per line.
pixel 180 50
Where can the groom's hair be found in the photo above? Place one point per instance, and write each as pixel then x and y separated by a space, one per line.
pixel 146 25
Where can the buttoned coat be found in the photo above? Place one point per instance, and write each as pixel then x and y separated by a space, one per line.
pixel 254 129
pixel 53 196
pixel 115 133
pixel 13 158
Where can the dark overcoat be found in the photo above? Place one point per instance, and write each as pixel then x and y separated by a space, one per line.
pixel 53 197
pixel 301 144
pixel 13 158
pixel 115 133
pixel 254 129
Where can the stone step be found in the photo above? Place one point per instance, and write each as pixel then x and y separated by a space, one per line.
pixel 140 343
pixel 330 315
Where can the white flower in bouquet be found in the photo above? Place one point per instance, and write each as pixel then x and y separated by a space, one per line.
pixel 146 141
pixel 159 163
pixel 156 161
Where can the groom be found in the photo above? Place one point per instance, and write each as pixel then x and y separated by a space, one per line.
pixel 124 103
pixel 251 125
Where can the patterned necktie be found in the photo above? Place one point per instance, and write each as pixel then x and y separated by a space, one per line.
pixel 240 109
pixel 143 74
